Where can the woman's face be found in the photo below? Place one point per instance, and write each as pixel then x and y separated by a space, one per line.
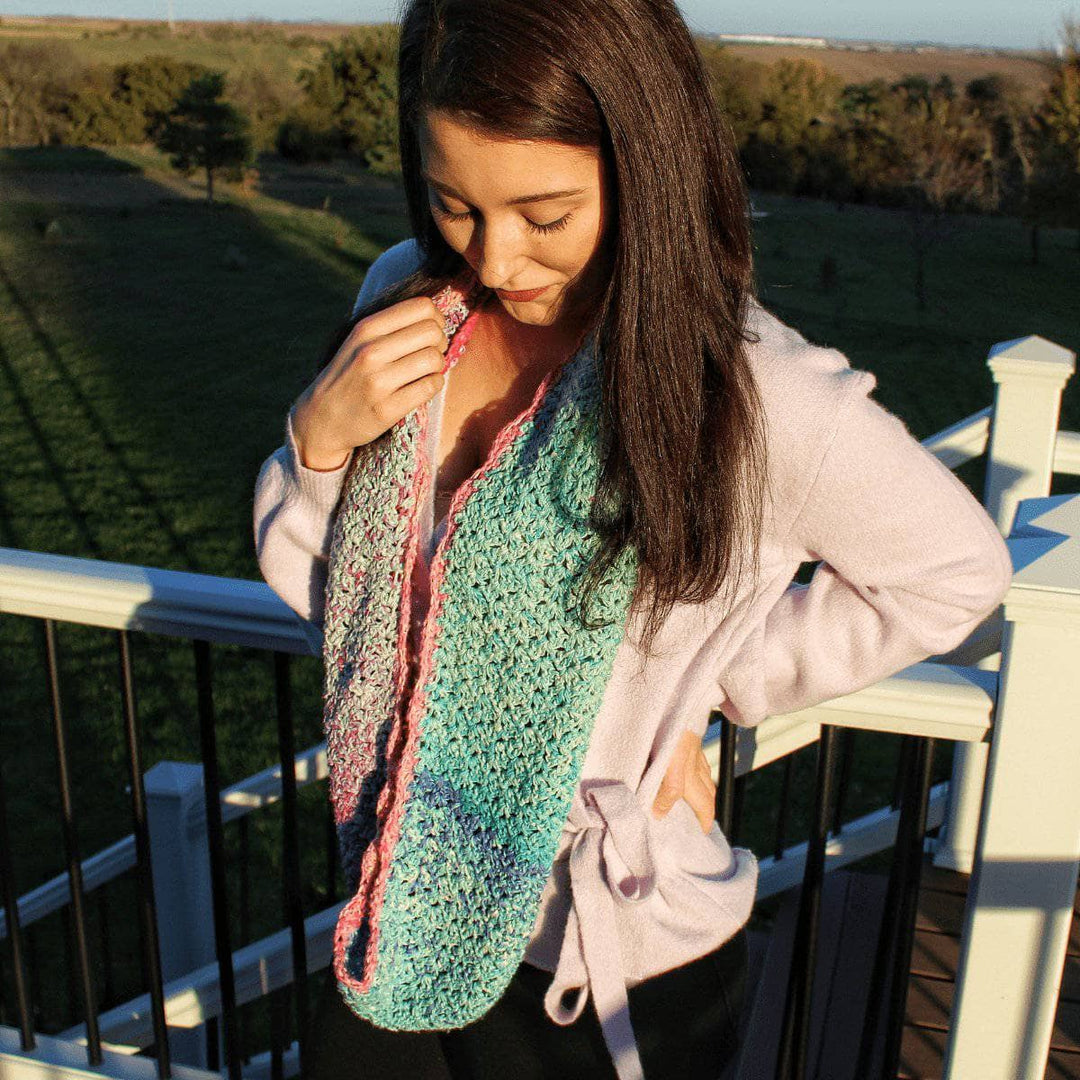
pixel 524 215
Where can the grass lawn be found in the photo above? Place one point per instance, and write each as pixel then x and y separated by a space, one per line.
pixel 143 381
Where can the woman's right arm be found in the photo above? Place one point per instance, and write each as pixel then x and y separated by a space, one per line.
pixel 294 504
pixel 293 519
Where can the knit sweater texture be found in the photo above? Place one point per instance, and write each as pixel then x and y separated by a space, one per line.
pixel 909 565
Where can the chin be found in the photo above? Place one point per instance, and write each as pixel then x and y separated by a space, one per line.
pixel 532 314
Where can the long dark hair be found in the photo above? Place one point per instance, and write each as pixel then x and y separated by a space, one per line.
pixel 684 473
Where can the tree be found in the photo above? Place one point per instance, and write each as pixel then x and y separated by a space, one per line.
pixel 264 99
pixel 150 87
pixel 798 96
pixel 350 97
pixel 1060 110
pixel 1052 188
pixel 738 87
pixel 937 167
pixel 1055 189
pixel 202 131
pixel 1003 108
pixel 853 144
pixel 36 78
pixel 128 103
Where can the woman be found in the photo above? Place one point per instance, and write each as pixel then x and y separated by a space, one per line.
pixel 541 508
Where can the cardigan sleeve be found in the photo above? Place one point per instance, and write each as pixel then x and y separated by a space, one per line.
pixel 294 506
pixel 910 564
pixel 293 521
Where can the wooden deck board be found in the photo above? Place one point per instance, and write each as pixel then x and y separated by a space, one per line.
pixel 941 912
pixel 938 956
pixel 929 1005
pixel 923 1051
pixel 934 955
pixel 762 1035
pixel 852 903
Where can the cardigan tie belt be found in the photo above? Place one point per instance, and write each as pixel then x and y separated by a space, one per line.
pixel 610 853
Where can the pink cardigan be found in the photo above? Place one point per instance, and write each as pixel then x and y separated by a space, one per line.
pixel 910 565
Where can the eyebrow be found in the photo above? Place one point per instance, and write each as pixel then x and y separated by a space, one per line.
pixel 512 202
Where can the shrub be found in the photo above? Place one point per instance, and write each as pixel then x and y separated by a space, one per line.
pixel 303 140
pixel 128 102
pixel 352 91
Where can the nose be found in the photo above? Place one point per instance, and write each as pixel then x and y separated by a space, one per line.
pixel 497 251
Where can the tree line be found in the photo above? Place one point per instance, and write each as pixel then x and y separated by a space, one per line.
pixel 988 146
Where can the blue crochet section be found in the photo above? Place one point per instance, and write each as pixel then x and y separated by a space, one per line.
pixel 463 858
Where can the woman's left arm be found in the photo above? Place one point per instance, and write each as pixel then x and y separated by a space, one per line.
pixel 910 565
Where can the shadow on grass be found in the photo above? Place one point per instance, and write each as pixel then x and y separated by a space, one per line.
pixel 145 374
pixel 115 460
pixel 366 201
pixel 62 159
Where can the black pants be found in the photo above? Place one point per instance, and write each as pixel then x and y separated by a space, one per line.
pixel 685 1023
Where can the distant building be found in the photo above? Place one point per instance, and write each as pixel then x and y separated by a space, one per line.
pixel 855 45
pixel 773 39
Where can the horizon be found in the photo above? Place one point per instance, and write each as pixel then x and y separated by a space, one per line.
pixel 999 25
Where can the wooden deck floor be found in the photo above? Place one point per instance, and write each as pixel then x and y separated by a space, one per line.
pixel 850 915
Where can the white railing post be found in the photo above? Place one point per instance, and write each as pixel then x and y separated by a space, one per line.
pixel 1030 374
pixel 179 853
pixel 1023 884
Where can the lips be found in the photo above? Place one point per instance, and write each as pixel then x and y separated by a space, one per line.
pixel 520 297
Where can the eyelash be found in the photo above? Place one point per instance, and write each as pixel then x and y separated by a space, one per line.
pixel 550 227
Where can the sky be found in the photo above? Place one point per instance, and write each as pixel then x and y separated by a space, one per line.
pixel 1017 24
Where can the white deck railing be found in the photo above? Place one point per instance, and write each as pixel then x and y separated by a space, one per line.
pixel 1027 720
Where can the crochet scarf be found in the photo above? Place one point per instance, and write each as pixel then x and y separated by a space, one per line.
pixel 450 790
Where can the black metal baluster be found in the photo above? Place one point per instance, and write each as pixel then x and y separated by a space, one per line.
pixel 151 947
pixel 916 796
pixel 215 836
pixel 213 1058
pixel 294 909
pixel 783 810
pixel 243 1015
pixel 884 956
pixel 795 1027
pixel 847 756
pixel 737 807
pixel 108 991
pixel 71 846
pixel 34 968
pixel 279 1013
pixel 71 977
pixel 244 869
pixel 907 747
pixel 14 931
pixel 725 780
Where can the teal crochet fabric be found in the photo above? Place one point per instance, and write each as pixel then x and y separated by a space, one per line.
pixel 450 800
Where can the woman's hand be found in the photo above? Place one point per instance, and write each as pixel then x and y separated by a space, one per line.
pixel 390 364
pixel 688 777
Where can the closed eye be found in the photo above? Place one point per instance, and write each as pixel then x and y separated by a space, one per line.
pixel 533 226
pixel 551 226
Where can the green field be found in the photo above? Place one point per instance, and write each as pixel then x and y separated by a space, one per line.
pixel 275 50
pixel 143 381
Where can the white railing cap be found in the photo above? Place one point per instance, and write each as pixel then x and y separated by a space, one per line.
pixel 1031 356
pixel 1045 548
pixel 94 592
